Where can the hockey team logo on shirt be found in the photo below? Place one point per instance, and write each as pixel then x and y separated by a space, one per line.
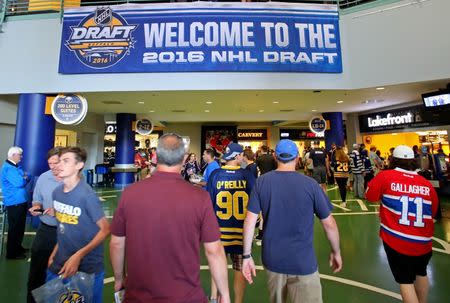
pixel 101 39
pixel 72 296
pixel 67 214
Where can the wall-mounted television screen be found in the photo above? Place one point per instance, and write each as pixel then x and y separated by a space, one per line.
pixel 436 100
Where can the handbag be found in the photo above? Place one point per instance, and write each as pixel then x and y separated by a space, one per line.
pixel 77 289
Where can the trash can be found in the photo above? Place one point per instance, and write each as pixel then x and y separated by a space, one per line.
pixel 89 175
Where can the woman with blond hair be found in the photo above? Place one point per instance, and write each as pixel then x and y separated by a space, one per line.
pixel 341 165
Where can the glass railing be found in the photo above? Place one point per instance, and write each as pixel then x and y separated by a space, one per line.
pixel 28 7
pixel 20 7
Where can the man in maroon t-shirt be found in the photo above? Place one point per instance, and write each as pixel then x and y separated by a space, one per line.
pixel 157 231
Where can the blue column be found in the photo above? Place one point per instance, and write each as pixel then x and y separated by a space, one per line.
pixel 35 133
pixel 125 137
pixel 336 132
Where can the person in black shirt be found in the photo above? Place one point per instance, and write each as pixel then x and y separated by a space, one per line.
pixel 249 159
pixel 321 165
pixel 265 161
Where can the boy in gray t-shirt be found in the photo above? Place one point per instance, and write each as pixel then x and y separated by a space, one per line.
pixel 82 226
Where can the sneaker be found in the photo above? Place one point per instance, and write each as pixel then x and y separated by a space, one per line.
pixel 213 301
pixel 344 204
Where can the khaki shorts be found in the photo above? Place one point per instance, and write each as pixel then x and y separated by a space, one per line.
pixel 299 289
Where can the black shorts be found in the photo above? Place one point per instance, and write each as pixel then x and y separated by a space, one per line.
pixel 406 268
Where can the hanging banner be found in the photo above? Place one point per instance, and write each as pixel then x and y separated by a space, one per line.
pixel 201 37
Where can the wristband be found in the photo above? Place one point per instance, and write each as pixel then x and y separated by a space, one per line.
pixel 246 256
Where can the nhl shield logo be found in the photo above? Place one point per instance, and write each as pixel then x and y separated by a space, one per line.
pixel 103 16
pixel 102 38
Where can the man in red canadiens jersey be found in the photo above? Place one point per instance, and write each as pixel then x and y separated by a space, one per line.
pixel 408 205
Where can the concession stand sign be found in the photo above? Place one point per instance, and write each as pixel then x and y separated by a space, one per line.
pixel 252 134
pixel 402 118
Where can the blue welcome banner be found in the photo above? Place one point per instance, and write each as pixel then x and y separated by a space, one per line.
pixel 201 37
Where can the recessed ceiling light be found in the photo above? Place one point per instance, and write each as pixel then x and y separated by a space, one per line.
pixel 141 102
pixel 261 110
pixel 314 110
pixel 340 101
pixel 379 88
pixel 276 102
pixel 208 102
pixel 206 110
pixel 151 111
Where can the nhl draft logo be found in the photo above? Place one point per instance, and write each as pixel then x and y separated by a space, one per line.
pixel 101 39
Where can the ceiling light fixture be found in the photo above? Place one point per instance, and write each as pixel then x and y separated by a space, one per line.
pixel 340 101
pixel 141 102
pixel 379 88
pixel 261 110
pixel 276 102
pixel 208 102
pixel 314 110
pixel 206 110
pixel 151 111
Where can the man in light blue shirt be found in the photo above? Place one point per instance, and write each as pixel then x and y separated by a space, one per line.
pixel 45 239
pixel 15 198
pixel 208 157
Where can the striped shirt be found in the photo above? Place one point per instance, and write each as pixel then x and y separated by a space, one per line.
pixel 408 205
pixel 356 162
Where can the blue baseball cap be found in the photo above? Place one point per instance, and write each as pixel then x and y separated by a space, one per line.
pixel 286 150
pixel 232 150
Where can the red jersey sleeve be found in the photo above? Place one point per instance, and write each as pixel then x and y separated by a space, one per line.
pixel 375 188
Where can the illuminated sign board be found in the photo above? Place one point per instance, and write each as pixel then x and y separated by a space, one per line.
pixel 402 118
pixel 252 134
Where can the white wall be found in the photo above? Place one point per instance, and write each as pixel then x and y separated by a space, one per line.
pixel 90 135
pixel 8 109
pixel 402 45
pixel 8 106
pixel 192 130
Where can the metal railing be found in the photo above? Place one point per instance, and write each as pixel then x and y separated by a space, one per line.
pixel 2 12
pixel 20 7
pixel 27 7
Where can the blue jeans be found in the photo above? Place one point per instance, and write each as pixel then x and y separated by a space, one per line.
pixel 98 285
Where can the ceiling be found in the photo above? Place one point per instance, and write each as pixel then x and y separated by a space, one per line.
pixel 286 106
pixel 254 105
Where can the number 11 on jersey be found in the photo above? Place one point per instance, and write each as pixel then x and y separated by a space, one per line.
pixel 405 211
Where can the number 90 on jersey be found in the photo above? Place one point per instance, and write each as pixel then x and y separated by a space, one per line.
pixel 232 205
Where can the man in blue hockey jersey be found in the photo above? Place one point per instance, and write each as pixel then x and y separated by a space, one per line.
pixel 230 187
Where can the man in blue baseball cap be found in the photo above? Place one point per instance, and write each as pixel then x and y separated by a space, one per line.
pixel 288 252
pixel 229 188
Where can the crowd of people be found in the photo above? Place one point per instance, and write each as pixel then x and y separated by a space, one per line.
pixel 156 239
